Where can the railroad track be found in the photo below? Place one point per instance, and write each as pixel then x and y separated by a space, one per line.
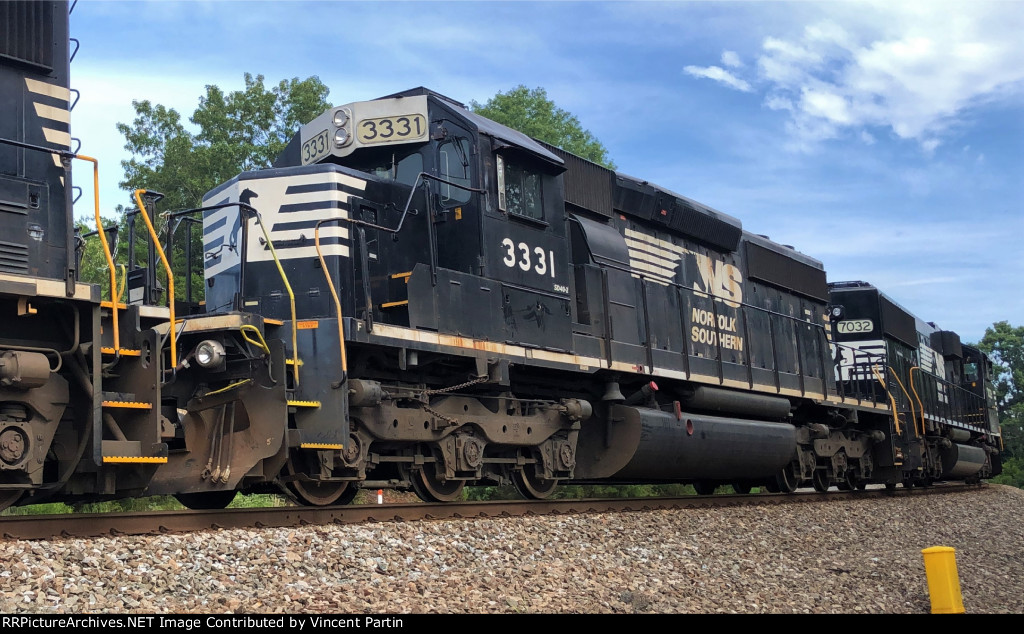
pixel 86 525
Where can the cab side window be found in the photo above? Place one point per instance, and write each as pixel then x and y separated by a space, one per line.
pixel 519 189
pixel 453 159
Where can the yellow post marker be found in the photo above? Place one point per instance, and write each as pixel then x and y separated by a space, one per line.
pixel 943 580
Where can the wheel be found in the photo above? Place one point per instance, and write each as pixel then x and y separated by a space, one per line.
pixel 312 492
pixel 849 482
pixel 820 481
pixel 530 486
pixel 206 500
pixel 772 486
pixel 8 498
pixel 704 488
pixel 786 480
pixel 431 488
pixel 741 487
pixel 862 484
pixel 890 486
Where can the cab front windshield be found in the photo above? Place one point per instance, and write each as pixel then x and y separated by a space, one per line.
pixel 390 164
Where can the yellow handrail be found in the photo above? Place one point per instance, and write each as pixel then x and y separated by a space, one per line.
pixel 919 403
pixel 167 267
pixel 291 296
pixel 262 343
pixel 895 414
pixel 334 294
pixel 106 247
pixel 913 415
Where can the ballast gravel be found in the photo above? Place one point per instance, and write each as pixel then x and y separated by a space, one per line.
pixel 859 556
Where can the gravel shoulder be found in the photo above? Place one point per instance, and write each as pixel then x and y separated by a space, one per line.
pixel 823 558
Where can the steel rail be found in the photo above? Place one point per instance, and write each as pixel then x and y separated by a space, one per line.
pixel 44 527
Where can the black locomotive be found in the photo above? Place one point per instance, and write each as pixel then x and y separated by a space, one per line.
pixel 415 296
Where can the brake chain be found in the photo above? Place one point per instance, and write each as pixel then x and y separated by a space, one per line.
pixel 451 420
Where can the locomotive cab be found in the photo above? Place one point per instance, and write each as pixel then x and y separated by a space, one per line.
pixel 442 219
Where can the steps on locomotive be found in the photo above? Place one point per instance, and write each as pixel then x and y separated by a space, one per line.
pixel 397 300
pixel 306 425
pixel 131 423
pixel 296 403
pixel 131 320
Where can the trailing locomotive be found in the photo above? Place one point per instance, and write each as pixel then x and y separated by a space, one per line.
pixel 417 297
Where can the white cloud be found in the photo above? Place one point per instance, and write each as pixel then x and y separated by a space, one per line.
pixel 912 67
pixel 719 74
pixel 731 59
pixel 825 105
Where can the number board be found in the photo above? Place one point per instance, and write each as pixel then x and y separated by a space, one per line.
pixel 316 148
pixel 397 129
pixel 852 326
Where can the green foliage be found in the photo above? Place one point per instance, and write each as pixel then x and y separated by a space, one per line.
pixel 230 133
pixel 237 131
pixel 533 114
pixel 259 501
pixel 1004 344
pixel 141 505
pixel 1013 473
pixel 53 508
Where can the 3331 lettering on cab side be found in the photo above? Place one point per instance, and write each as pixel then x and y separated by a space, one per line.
pixel 534 259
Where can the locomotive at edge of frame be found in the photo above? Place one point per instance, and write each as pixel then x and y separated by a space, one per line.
pixel 419 298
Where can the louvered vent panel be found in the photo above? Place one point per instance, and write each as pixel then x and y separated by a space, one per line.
pixel 26 33
pixel 13 257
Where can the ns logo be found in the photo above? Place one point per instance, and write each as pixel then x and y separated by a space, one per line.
pixel 720 279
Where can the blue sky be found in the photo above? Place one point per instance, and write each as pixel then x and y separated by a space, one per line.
pixel 883 138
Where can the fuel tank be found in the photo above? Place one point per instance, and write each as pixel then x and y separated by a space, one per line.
pixel 962 461
pixel 639 443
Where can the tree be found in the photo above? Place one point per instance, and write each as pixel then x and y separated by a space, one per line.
pixel 533 114
pixel 230 133
pixel 1004 344
pixel 238 131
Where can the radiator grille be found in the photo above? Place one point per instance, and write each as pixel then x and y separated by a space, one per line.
pixel 26 33
pixel 13 257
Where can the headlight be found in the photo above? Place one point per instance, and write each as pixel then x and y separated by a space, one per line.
pixel 341 137
pixel 209 353
pixel 340 118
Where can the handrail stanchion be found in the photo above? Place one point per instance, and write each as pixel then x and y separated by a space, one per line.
pixel 167 267
pixel 106 248
pixel 334 294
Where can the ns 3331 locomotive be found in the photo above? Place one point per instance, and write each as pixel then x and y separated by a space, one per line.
pixel 417 297
pixel 483 307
